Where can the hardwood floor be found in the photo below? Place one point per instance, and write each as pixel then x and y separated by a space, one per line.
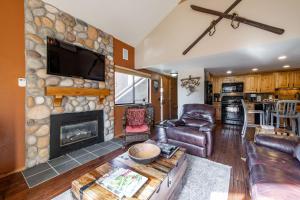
pixel 228 149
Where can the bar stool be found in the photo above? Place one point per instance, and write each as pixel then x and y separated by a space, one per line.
pixel 246 112
pixel 286 110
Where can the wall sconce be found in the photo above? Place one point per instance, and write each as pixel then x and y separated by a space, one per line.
pixel 190 84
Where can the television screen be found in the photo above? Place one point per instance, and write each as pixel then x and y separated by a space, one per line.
pixel 65 59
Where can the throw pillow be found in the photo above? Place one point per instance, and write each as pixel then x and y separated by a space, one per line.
pixel 135 117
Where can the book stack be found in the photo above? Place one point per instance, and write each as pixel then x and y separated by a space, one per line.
pixel 167 150
pixel 122 182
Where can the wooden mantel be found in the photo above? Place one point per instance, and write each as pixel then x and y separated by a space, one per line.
pixel 60 92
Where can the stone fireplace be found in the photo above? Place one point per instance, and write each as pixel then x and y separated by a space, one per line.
pixel 43 20
pixel 72 131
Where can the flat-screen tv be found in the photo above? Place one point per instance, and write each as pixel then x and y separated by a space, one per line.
pixel 64 59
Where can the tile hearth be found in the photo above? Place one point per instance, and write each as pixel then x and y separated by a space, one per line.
pixel 57 166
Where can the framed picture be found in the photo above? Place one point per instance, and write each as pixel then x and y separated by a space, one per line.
pixel 156 85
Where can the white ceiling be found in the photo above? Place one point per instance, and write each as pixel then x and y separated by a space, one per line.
pixel 242 61
pixel 238 50
pixel 127 20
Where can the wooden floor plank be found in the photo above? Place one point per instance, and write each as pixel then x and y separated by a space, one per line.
pixel 228 149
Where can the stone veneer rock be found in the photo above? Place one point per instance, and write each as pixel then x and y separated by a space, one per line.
pixel 42 20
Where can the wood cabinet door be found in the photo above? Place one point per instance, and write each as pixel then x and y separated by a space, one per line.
pixel 296 79
pixel 283 79
pixel 267 83
pixel 238 79
pixel 251 84
pixel 217 84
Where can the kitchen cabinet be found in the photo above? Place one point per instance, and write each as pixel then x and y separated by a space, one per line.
pixel 283 79
pixel 289 79
pixel 261 82
pixel 296 79
pixel 217 84
pixel 252 83
pixel 217 106
pixel 267 83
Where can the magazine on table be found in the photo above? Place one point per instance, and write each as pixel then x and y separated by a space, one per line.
pixel 122 182
pixel 167 150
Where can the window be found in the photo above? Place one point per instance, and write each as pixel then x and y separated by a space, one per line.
pixel 131 89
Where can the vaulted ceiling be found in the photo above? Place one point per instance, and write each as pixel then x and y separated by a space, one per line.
pixel 238 50
pixel 128 20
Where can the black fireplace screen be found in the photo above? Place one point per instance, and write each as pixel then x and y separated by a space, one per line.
pixel 72 131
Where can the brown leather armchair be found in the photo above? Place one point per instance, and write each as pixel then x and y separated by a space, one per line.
pixel 193 130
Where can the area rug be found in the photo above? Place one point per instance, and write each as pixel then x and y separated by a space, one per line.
pixel 203 180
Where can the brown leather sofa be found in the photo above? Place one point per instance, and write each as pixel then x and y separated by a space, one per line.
pixel 273 171
pixel 193 131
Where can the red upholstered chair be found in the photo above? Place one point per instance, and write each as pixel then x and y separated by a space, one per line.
pixel 136 124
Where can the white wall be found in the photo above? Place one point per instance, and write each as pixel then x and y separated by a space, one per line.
pixel 195 97
pixel 182 26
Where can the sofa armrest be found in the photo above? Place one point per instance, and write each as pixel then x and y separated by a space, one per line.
pixel 208 130
pixel 175 122
pixel 286 144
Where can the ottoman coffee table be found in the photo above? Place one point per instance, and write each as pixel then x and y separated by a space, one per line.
pixel 164 177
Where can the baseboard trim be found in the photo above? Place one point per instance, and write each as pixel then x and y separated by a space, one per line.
pixel 12 172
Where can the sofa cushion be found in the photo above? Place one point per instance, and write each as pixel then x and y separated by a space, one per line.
pixel 137 129
pixel 188 135
pixel 278 142
pixel 270 183
pixel 196 123
pixel 260 155
pixel 199 112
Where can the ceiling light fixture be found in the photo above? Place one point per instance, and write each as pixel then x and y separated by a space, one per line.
pixel 254 69
pixel 174 74
pixel 286 66
pixel 282 57
pixel 229 72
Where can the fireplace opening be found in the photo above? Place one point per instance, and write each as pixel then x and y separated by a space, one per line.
pixel 72 131
pixel 70 134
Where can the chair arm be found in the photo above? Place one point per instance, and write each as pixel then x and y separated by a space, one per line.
pixel 208 130
pixel 175 123
pixel 286 144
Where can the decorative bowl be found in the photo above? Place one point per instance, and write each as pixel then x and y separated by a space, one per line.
pixel 144 153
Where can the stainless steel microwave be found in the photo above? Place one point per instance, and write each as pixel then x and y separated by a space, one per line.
pixel 232 87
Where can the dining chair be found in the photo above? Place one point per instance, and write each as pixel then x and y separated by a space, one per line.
pixel 287 110
pixel 246 112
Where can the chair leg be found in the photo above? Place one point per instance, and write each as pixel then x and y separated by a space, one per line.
pixel 277 121
pixel 272 119
pixel 260 118
pixel 244 129
pixel 293 122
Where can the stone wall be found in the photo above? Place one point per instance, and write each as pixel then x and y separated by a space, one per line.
pixel 42 20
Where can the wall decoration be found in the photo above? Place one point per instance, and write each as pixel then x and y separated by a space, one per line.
pixel 190 84
pixel 235 23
